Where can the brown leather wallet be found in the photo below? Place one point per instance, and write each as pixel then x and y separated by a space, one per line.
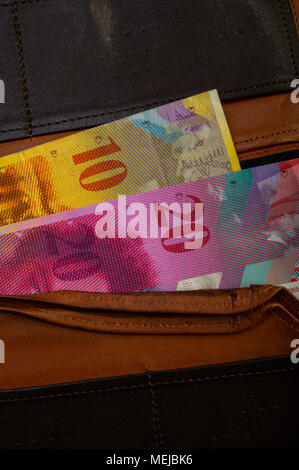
pixel 68 355
pixel 85 337
pixel 205 327
pixel 219 315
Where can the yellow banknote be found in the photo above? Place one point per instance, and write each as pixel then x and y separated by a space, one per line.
pixel 182 141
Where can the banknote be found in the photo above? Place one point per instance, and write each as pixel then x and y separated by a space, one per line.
pixel 276 271
pixel 293 287
pixel 193 235
pixel 295 275
pixel 179 142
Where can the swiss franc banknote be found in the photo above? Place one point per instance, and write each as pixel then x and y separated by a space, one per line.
pixel 234 222
pixel 293 287
pixel 176 143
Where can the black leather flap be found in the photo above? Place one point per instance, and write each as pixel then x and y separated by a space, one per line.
pixel 250 404
pixel 70 64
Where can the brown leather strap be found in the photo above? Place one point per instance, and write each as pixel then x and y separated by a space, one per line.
pixel 196 302
pixel 194 312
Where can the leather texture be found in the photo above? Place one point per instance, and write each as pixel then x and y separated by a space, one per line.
pixel 69 66
pixel 241 405
pixel 43 353
pixel 263 126
pixel 191 312
pixel 253 133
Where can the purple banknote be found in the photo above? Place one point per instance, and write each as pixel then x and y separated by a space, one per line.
pixel 223 232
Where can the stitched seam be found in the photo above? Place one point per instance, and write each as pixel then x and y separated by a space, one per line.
pixel 266 136
pixel 274 429
pixel 174 303
pixel 294 9
pixel 165 382
pixel 278 82
pixel 232 321
pixel 19 48
pixel 285 25
pixel 155 413
pixel 14 129
pixel 261 430
pixel 190 324
pixel 136 107
pixel 22 2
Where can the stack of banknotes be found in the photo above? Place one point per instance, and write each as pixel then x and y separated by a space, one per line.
pixel 153 202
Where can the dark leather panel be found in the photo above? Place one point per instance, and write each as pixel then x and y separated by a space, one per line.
pixel 85 62
pixel 275 158
pixel 12 115
pixel 242 405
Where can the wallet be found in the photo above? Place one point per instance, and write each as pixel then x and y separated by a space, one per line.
pixel 198 369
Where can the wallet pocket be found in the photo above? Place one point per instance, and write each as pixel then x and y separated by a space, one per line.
pixel 193 312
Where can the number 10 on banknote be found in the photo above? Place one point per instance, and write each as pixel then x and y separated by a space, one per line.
pixel 176 143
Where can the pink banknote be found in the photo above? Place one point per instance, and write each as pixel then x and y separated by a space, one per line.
pixel 224 232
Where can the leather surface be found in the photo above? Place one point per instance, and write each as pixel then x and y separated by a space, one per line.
pixel 241 405
pixel 192 312
pixel 264 125
pixel 253 133
pixel 41 353
pixel 295 10
pixel 69 66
